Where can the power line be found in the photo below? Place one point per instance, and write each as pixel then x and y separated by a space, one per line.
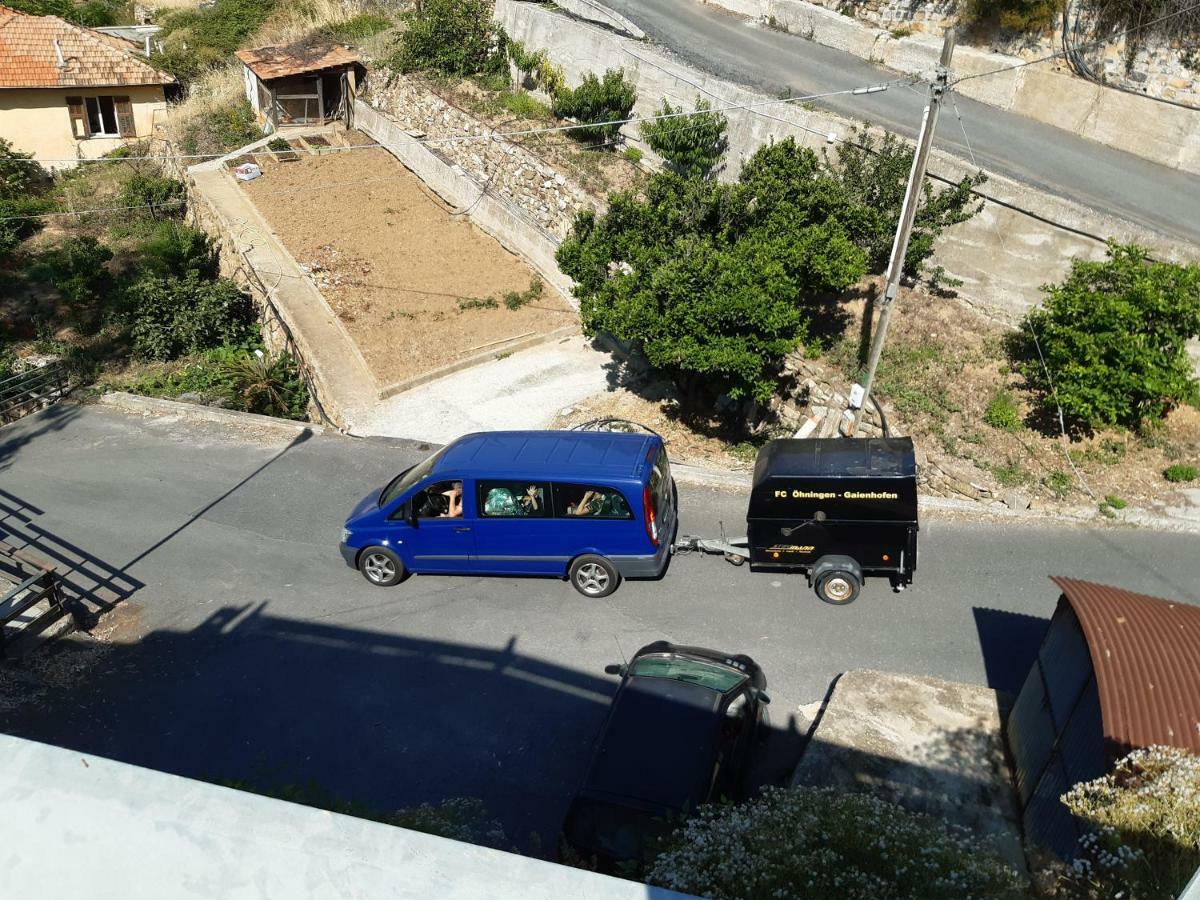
pixel 501 135
pixel 102 209
pixel 1097 42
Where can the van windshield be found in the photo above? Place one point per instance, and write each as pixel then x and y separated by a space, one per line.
pixel 408 478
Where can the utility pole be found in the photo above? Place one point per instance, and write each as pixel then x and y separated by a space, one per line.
pixel 916 178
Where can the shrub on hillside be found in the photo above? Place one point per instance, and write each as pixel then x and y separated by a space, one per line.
pixel 206 36
pixel 1146 820
pixel 597 100
pixel 1024 16
pixel 453 37
pixel 1114 338
pixel 173 248
pixel 22 200
pixel 145 193
pixel 357 28
pixel 77 270
pixel 692 145
pixel 221 129
pixel 269 385
pixel 173 316
pixel 92 13
pixel 823 842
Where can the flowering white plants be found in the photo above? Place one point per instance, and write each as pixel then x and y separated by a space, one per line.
pixel 823 842
pixel 1146 820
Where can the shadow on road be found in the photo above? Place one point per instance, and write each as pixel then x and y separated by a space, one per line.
pixel 1009 644
pixel 15 436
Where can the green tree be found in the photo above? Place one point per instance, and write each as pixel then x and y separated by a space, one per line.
pixel 154 194
pixel 715 283
pixel 874 172
pixel 22 200
pixel 1114 338
pixel 606 100
pixel 454 37
pixel 692 145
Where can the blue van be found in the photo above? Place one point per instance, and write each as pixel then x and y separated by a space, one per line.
pixel 593 507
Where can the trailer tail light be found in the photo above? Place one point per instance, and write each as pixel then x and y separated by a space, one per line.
pixel 651 521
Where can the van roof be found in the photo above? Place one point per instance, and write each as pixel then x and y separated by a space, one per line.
pixel 546 454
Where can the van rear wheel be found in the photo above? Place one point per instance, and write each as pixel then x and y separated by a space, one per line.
pixel 594 576
pixel 838 587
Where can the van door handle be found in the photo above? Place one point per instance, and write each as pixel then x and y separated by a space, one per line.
pixel 462 530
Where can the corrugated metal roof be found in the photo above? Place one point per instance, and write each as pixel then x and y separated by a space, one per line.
pixel 1146 655
pixel 269 63
pixel 47 52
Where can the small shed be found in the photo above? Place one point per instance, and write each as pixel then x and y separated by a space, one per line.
pixel 302 84
pixel 1116 671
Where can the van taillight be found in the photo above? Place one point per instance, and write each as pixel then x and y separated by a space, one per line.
pixel 651 524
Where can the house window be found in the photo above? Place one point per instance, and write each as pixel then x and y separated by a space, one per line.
pixel 101 117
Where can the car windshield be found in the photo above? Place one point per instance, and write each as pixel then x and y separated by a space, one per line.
pixel 693 671
pixel 408 478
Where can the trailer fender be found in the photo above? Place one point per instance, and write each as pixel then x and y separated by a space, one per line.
pixel 831 562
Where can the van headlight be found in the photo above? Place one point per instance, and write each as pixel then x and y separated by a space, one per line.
pixel 345 535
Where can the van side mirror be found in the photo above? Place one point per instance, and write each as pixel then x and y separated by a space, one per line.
pixel 614 669
pixel 762 698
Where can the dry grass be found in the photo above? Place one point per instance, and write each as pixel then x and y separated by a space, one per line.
pixel 216 90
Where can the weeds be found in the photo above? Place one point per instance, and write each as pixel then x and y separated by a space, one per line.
pixel 1059 483
pixel 1002 412
pixel 514 300
pixel 1010 474
pixel 1177 473
pixel 477 303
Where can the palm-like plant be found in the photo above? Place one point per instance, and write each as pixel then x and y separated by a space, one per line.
pixel 266 384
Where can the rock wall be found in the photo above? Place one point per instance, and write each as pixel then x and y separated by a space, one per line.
pixel 507 169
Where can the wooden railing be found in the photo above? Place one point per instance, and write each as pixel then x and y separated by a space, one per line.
pixel 30 391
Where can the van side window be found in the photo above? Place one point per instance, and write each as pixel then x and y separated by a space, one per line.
pixel 590 501
pixel 513 499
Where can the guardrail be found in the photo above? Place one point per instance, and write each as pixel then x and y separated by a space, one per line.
pixel 30 391
pixel 23 597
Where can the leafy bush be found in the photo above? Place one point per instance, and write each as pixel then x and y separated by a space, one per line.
pixel 173 248
pixel 538 71
pixel 821 842
pixel 203 37
pixel 26 211
pixel 160 195
pixel 454 37
pixel 173 316
pixel 92 13
pixel 1114 336
pixel 1025 16
pixel 221 129
pixel 1146 816
pixel 1178 472
pixel 1002 412
pixel 478 303
pixel 266 384
pixel 516 299
pixel 596 100
pixel 692 145
pixel 716 283
pixel 20 175
pixel 22 183
pixel 76 268
pixel 874 173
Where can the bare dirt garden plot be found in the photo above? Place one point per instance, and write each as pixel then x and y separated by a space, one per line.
pixel 416 286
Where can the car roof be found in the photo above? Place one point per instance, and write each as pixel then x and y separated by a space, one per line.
pixel 546 454
pixel 659 745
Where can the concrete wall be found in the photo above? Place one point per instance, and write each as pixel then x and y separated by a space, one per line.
pixel 513 227
pixel 79 825
pixel 37 121
pixel 1168 135
pixel 1021 240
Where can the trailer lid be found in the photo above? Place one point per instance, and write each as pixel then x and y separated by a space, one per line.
pixel 836 458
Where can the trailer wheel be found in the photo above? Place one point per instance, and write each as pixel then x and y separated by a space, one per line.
pixel 735 559
pixel 838 587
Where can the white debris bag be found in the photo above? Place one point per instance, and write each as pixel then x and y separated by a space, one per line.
pixel 247 172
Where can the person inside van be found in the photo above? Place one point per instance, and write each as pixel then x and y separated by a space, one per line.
pixel 588 505
pixel 531 500
pixel 453 501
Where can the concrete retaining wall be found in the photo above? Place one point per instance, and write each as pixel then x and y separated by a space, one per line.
pixel 1021 240
pixel 1168 135
pixel 504 221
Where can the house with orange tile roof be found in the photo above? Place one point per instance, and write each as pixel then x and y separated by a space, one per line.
pixel 69 92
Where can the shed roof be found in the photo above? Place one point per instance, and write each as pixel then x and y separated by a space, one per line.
pixel 1146 655
pixel 31 47
pixel 269 63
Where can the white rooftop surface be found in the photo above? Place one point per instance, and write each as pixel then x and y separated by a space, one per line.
pixel 75 825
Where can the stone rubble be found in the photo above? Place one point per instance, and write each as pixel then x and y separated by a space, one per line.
pixel 506 168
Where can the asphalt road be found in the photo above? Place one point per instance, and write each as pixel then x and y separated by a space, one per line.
pixel 244 648
pixel 1049 158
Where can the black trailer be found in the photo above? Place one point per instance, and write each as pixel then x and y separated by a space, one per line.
pixel 837 510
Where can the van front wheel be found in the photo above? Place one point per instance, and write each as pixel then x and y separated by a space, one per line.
pixel 380 566
pixel 594 576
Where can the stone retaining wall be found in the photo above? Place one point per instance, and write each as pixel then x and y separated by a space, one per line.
pixel 494 203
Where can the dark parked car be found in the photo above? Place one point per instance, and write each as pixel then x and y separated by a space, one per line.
pixel 680 733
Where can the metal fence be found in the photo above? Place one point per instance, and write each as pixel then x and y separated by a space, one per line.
pixel 22 598
pixel 30 391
